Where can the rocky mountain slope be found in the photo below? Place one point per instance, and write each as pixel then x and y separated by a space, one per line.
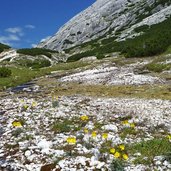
pixel 109 18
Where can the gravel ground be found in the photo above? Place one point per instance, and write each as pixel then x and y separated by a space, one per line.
pixel 80 133
pixel 36 144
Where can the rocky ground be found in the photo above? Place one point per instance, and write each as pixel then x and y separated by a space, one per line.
pixel 43 131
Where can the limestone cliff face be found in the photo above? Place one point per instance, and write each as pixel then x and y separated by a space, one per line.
pixel 106 17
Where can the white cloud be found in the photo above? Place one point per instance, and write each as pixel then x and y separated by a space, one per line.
pixel 33 45
pixel 29 26
pixel 8 39
pixel 14 30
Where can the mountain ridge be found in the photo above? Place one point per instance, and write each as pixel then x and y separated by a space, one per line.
pixel 107 17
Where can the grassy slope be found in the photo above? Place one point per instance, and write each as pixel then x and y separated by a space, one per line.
pixel 22 75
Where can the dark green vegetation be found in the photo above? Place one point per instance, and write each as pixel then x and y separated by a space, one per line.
pixel 5 72
pixel 117 165
pixel 3 47
pixel 35 64
pixel 155 40
pixel 36 51
pixel 66 125
pixel 150 149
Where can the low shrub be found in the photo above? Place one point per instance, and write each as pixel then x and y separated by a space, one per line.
pixel 36 64
pixel 3 47
pixel 117 165
pixel 78 56
pixel 157 67
pixel 5 72
pixel 36 51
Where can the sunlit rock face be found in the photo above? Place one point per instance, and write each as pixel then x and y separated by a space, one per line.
pixel 105 18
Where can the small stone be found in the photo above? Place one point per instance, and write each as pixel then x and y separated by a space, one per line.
pixel 61 163
pixel 158 162
pixel 100 165
pixel 110 127
pixel 43 144
pixel 27 153
pixel 165 163
pixel 137 154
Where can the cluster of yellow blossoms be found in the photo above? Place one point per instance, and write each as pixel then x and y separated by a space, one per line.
pixel 126 122
pixel 119 152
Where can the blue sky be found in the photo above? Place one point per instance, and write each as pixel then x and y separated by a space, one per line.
pixel 25 22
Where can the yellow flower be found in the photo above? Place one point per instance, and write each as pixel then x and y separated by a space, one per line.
pixel 84 118
pixel 25 106
pixel 132 125
pixel 125 122
pixel 71 140
pixel 169 137
pixel 112 150
pixel 117 155
pixel 86 130
pixel 105 135
pixel 16 124
pixel 94 134
pixel 125 156
pixel 55 98
pixel 122 147
pixel 34 104
pixel 21 101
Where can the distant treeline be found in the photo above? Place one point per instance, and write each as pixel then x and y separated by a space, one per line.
pixel 36 51
pixel 3 47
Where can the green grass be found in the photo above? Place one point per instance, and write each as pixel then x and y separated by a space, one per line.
pixel 22 75
pixel 62 126
pixel 150 149
pixel 128 131
pixel 117 165
pixel 66 125
pixel 168 51
pixel 143 91
pixel 158 67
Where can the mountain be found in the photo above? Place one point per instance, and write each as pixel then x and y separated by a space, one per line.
pixel 104 19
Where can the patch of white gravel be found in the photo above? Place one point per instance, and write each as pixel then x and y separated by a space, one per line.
pixel 37 143
pixel 112 75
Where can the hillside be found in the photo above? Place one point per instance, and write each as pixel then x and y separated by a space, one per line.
pixel 3 47
pixel 96 96
pixel 120 19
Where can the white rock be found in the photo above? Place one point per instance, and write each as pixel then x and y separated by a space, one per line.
pixel 81 160
pixel 61 163
pixel 93 161
pixel 137 154
pixel 158 162
pixel 59 153
pixel 110 127
pixel 27 153
pixel 166 163
pixel 100 165
pixel 44 144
